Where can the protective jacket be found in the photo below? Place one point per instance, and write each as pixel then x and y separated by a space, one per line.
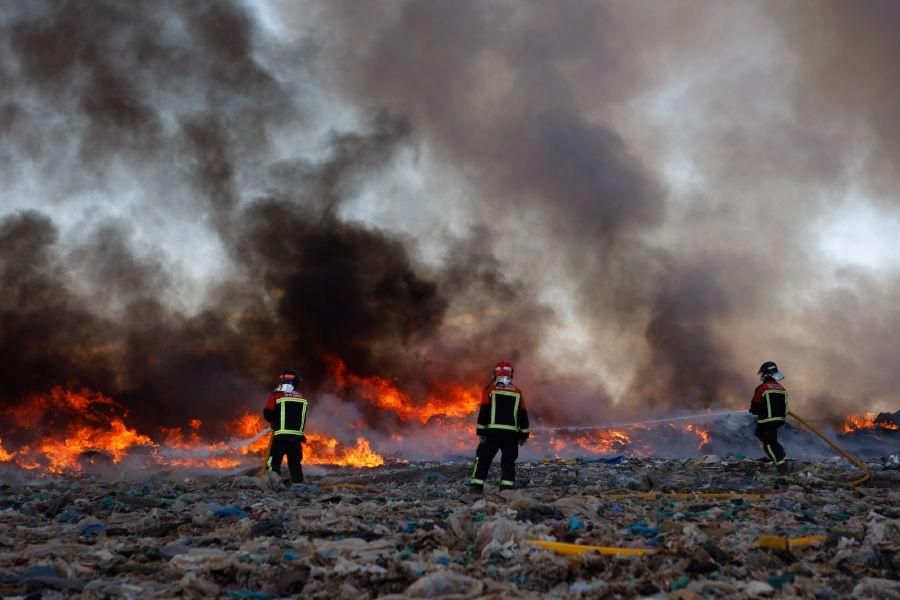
pixel 770 402
pixel 286 412
pixel 503 409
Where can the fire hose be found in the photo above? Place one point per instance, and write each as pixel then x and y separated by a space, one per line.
pixel 867 474
pixel 704 415
pixel 265 465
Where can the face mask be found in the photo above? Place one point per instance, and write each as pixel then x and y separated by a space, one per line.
pixel 504 380
pixel 778 376
pixel 285 387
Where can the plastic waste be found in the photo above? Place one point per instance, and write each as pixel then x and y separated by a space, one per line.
pixel 229 512
pixel 446 584
pixel 575 523
pixel 92 529
pixel 390 531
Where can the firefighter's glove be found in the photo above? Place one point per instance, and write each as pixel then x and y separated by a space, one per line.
pixel 302 438
pixel 522 441
pixel 482 439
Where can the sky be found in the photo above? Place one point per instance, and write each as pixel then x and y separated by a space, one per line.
pixel 638 203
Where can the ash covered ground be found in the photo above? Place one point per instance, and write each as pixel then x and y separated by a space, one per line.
pixel 412 530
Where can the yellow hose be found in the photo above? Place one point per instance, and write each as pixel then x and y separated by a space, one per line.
pixel 565 549
pixel 265 465
pixel 867 474
pixel 777 542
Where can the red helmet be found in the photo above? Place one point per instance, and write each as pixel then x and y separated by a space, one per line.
pixel 290 377
pixel 503 369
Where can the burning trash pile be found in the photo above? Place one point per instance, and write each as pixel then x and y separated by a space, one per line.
pixel 83 430
pixel 709 526
pixel 72 430
pixel 93 507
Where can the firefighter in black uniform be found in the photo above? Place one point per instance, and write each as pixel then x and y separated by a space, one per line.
pixel 769 405
pixel 502 426
pixel 286 413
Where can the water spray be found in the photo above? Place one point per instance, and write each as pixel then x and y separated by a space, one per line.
pixel 867 474
pixel 703 415
pixel 233 445
pixel 238 444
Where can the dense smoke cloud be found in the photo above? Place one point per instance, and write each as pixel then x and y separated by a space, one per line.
pixel 176 91
pixel 94 87
pixel 847 56
pixel 697 288
pixel 490 88
pixel 846 78
pixel 140 141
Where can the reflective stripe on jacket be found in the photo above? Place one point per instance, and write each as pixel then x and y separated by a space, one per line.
pixel 286 413
pixel 770 402
pixel 503 409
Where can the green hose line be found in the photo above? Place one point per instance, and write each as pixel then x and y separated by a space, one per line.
pixel 867 474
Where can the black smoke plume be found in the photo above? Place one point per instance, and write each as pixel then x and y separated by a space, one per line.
pixel 176 92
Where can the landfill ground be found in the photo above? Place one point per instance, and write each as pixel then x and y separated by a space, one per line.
pixel 413 530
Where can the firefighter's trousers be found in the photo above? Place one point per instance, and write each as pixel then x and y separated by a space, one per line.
pixel 767 433
pixel 506 442
pixel 290 445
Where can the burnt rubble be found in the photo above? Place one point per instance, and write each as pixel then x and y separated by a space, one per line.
pixel 888 420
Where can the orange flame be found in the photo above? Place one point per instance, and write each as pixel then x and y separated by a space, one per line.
pixel 92 429
pixel 4 455
pixel 604 441
pixel 450 399
pixel 324 450
pixel 856 422
pixel 703 434
pixel 246 426
pixel 88 404
pixel 319 449
pixel 64 455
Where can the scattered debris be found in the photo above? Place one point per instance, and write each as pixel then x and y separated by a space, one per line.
pixel 714 526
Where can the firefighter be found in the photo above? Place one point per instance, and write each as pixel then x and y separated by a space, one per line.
pixel 286 413
pixel 769 405
pixel 502 426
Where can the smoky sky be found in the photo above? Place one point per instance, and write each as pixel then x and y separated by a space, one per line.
pixel 628 201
